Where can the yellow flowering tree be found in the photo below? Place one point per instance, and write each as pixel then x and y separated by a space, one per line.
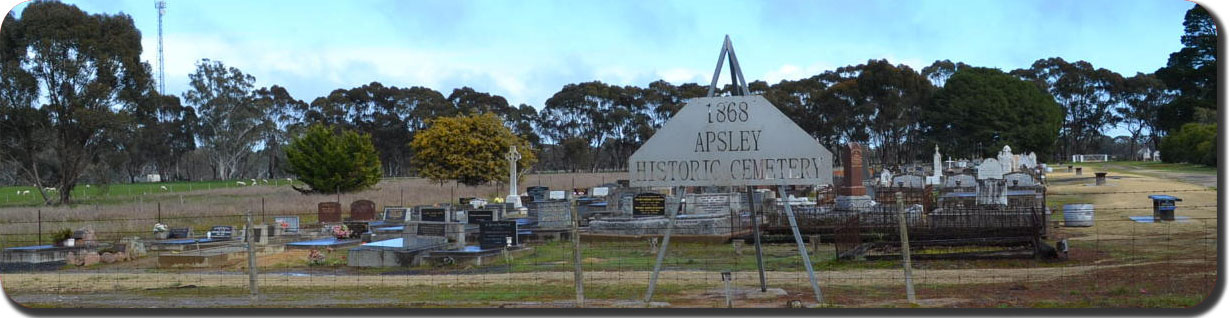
pixel 469 149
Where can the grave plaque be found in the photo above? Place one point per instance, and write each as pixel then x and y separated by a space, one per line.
pixel 480 216
pixel 623 183
pixel 289 224
pixel 495 234
pixel 221 232
pixel 649 204
pixel 711 203
pixel 433 215
pixel 328 212
pixel 363 210
pixel 431 229
pixel 394 214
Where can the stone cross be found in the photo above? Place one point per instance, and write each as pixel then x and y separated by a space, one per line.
pixel 512 157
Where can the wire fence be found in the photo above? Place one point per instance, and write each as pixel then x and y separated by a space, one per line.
pixel 1023 254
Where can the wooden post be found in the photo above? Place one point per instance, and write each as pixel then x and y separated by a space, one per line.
pixel 160 211
pixel 751 203
pixel 250 237
pixel 577 276
pixel 40 227
pixel 905 249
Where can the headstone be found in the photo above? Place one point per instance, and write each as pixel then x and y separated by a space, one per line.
pixel 497 234
pixel 710 203
pixel 363 210
pixel 960 181
pixel 1004 159
pixel 395 214
pixel 512 156
pixel 433 215
pixel 288 224
pixel 538 193
pixel 328 212
pixel 852 164
pixel 886 178
pixel 936 169
pixel 600 191
pixel 497 208
pixel 479 216
pixel 623 183
pixel 180 233
pixel 990 169
pixel 649 203
pixel 558 195
pixel 908 181
pixel 1020 179
pixel 222 232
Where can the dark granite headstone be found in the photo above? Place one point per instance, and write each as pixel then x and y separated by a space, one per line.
pixel 222 232
pixel 433 214
pixel 649 204
pixel 623 183
pixel 495 234
pixel 180 233
pixel 394 214
pixel 479 216
pixel 329 212
pixel 363 210
pixel 539 193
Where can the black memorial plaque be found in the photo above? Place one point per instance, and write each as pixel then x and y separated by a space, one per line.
pixel 431 230
pixel 495 234
pixel 649 204
pixel 433 215
pixel 479 216
pixel 221 232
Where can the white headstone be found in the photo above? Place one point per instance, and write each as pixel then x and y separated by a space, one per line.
pixel 1004 159
pixel 936 168
pixel 990 169
pixel 885 177
pixel 1020 179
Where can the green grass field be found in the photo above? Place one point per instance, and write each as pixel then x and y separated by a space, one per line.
pixel 117 193
pixel 1149 165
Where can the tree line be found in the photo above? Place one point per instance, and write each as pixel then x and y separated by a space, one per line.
pixel 78 105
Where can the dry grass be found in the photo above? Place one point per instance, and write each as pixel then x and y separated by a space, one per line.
pixel 1112 209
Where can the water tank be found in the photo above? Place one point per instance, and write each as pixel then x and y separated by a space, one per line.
pixel 1078 215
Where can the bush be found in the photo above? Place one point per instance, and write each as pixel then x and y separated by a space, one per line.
pixel 329 162
pixel 1193 143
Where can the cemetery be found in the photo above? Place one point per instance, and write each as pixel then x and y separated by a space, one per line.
pixel 731 199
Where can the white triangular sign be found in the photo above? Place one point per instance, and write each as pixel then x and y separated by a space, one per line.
pixel 730 141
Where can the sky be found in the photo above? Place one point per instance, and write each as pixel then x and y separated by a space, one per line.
pixel 527 50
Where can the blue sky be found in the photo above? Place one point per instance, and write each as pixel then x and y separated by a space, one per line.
pixel 527 50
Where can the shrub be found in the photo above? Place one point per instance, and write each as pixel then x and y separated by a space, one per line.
pixel 330 162
pixel 1193 143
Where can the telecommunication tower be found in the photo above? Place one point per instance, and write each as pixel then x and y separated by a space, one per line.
pixel 161 5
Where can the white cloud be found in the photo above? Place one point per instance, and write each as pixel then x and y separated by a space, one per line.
pixel 794 72
pixel 678 76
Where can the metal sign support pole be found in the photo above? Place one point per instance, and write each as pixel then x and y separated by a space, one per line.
pixel 751 203
pixel 666 241
pixel 798 239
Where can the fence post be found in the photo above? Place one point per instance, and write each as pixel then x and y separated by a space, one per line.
pixel 576 257
pixel 40 227
pixel 905 249
pixel 251 238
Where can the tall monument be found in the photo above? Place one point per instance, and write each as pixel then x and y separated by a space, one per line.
pixel 852 194
pixel 937 169
pixel 512 157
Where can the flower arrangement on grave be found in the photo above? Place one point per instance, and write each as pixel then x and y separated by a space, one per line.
pixel 341 232
pixel 60 236
pixel 159 228
pixel 315 257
